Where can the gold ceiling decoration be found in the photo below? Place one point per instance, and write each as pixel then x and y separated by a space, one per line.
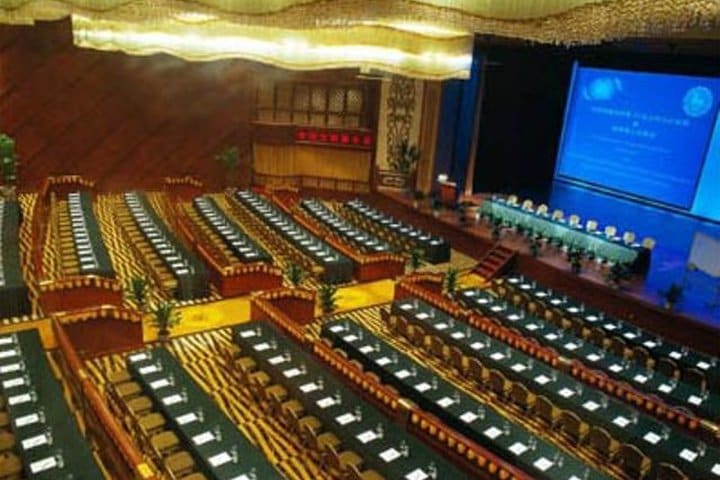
pixel 421 38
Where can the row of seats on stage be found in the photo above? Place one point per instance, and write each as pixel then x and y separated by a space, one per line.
pixel 620 338
pixel 610 231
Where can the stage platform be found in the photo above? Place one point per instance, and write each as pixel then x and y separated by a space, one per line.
pixel 667 266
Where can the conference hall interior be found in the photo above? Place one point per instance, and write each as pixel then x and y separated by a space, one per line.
pixel 359 240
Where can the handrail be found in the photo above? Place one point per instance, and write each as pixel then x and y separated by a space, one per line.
pixel 130 454
pixel 267 179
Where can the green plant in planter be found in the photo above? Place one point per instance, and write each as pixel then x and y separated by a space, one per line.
pixel 229 160
pixel 405 157
pixel 327 298
pixel 617 274
pixel 295 274
pixel 164 319
pixel 415 260
pixel 534 246
pixel 450 280
pixel 435 205
pixel 672 295
pixel 8 160
pixel 575 257
pixel 137 291
pixel 497 227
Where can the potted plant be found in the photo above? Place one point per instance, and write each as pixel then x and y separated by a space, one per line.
pixel 575 258
pixel 327 298
pixel 418 196
pixel 405 157
pixel 535 245
pixel 435 205
pixel 164 319
pixel 229 160
pixel 137 291
pixel 295 274
pixel 462 209
pixel 616 274
pixel 415 260
pixel 8 166
pixel 497 227
pixel 450 281
pixel 672 295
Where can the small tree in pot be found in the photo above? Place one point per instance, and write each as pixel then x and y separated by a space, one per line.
pixel 450 281
pixel 672 295
pixel 418 197
pixel 137 292
pixel 229 160
pixel 164 319
pixel 295 274
pixel 415 260
pixel 327 298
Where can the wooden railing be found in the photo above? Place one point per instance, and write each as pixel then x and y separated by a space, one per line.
pixel 117 446
pixel 183 188
pixel 289 309
pixel 306 181
pixel 77 292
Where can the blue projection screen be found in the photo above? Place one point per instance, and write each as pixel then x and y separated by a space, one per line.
pixel 643 134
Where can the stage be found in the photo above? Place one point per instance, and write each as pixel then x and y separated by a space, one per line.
pixel 673 233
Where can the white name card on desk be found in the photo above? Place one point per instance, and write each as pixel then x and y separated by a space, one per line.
pixel 277 359
pixel 148 369
pixel 716 469
pixel 518 448
pixel 593 357
pixel 8 353
pixel 570 346
pixel 492 433
pixel 417 474
pixel 445 402
pixel 261 347
pixel 566 393
pixel 477 346
pixel 468 417
pixel 688 455
pixel 366 436
pixel 19 399
pixel 293 372
pixel 703 365
pixel 203 438
pixel 220 459
pixel 652 437
pixel 518 367
pixel 345 418
pixel 615 368
pixel 186 418
pixel 401 374
pixel 389 455
pixel 675 355
pixel 665 388
pixel 13 367
pixel 591 406
pixel 163 382
pixel 422 316
pixel 337 328
pixel 497 356
pixel 326 402
pixel 308 387
pixel 138 357
pixel 36 441
pixel 543 464
pixel 440 326
pixel 383 361
pixel 172 400
pixel 541 379
pixel 422 387
pixel 28 419
pixel 365 349
pixel 621 421
pixel 42 465
pixel 14 382
pixel 694 400
pixel 350 338
pixel 7 340
pixel 639 378
pixel 458 335
pixel 247 333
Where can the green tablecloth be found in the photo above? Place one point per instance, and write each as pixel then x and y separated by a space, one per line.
pixel 612 249
pixel 458 410
pixel 101 264
pixel 239 242
pixel 190 273
pixel 630 334
pixel 36 407
pixel 361 239
pixel 661 442
pixel 643 379
pixel 221 451
pixel 13 291
pixel 337 268
pixel 359 425
pixel 436 249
